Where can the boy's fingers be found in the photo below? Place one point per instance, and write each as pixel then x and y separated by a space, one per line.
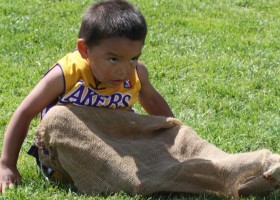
pixel 5 186
pixel 11 185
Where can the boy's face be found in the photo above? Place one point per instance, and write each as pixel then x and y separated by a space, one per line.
pixel 114 60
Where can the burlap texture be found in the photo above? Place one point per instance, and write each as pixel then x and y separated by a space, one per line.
pixel 105 151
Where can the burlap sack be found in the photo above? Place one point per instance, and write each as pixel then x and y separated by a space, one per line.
pixel 105 151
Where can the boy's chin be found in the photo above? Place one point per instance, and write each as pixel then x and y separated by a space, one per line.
pixel 115 84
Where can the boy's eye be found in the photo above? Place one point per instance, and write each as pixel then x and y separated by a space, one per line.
pixel 113 60
pixel 134 59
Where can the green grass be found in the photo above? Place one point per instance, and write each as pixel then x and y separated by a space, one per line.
pixel 216 63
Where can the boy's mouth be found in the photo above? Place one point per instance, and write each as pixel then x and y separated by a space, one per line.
pixel 117 82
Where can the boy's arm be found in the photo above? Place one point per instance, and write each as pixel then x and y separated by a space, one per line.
pixel 149 98
pixel 47 90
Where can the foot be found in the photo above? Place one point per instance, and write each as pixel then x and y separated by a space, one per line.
pixel 268 182
pixel 273 174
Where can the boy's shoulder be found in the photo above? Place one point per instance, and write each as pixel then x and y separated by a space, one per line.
pixel 142 71
pixel 74 56
pixel 73 59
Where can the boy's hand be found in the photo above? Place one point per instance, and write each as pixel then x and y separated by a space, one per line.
pixel 8 177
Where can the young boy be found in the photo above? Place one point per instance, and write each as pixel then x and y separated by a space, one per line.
pixel 104 71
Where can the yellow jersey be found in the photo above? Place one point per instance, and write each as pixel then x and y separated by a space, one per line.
pixel 80 88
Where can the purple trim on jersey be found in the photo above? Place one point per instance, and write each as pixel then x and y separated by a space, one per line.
pixel 64 84
pixel 137 69
pixel 46 109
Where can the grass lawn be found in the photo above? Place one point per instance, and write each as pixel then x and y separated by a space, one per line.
pixel 217 63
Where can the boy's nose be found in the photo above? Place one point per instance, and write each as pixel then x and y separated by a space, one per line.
pixel 123 71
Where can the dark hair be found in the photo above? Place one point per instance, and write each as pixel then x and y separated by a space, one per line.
pixel 112 18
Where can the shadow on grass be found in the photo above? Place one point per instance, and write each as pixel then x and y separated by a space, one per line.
pixel 64 190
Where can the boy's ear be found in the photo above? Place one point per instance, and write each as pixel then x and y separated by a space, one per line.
pixel 82 48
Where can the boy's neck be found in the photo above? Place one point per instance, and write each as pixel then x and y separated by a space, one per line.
pixel 97 82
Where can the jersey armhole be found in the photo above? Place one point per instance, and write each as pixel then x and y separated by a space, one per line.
pixel 139 87
pixel 64 83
